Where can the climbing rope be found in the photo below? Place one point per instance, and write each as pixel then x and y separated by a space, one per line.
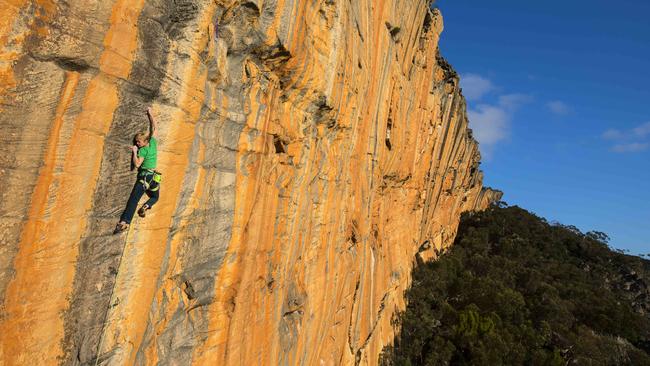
pixel 110 303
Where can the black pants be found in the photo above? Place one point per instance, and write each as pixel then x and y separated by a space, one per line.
pixel 136 193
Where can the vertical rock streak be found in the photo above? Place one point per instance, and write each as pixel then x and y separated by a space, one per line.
pixel 310 151
pixel 39 292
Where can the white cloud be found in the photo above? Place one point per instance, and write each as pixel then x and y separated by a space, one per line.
pixel 612 134
pixel 475 86
pixel 633 140
pixel 513 101
pixel 558 107
pixel 643 130
pixel 631 147
pixel 491 122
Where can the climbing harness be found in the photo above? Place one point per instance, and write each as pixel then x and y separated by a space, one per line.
pixel 147 176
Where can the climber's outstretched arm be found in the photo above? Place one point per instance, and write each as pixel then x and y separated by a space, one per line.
pixel 153 125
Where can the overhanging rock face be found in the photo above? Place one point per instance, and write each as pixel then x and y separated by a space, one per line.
pixel 310 150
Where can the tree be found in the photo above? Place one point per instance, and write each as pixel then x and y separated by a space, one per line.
pixel 515 290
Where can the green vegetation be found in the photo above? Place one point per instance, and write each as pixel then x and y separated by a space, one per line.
pixel 516 290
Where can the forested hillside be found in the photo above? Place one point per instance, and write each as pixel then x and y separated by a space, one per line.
pixel 516 290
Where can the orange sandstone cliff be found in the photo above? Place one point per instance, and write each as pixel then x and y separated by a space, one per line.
pixel 310 151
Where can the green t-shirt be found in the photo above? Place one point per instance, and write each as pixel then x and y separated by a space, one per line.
pixel 150 154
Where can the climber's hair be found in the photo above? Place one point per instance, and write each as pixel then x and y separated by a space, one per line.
pixel 141 136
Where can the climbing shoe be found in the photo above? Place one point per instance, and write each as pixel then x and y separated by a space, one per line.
pixel 142 212
pixel 120 227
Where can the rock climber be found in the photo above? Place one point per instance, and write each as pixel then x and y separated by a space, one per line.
pixel 144 157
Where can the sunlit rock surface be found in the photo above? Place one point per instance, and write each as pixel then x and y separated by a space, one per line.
pixel 310 151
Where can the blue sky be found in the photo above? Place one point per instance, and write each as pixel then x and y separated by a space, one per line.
pixel 559 99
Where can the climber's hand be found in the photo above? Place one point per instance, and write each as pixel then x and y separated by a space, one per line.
pixel 134 148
